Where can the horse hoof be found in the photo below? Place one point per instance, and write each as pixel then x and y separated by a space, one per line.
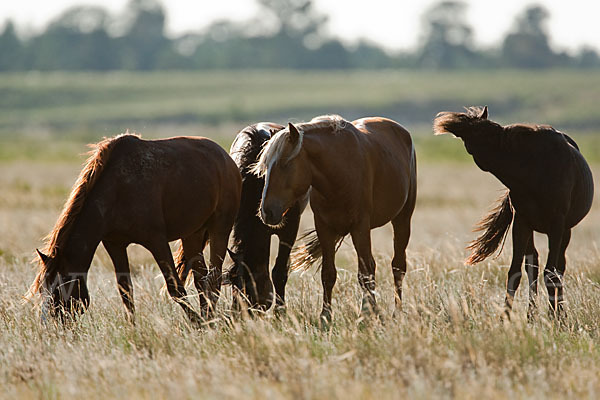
pixel 325 319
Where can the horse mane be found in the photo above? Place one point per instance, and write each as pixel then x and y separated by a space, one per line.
pixel 467 124
pixel 278 147
pixel 457 122
pixel 86 181
pixel 249 142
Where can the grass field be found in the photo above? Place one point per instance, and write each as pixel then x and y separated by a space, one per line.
pixel 79 104
pixel 448 343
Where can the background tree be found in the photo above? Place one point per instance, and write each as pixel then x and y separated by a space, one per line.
pixel 144 44
pixel 448 39
pixel 528 46
pixel 11 49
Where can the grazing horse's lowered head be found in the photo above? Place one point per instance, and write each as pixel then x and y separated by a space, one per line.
pixel 65 293
pixel 250 274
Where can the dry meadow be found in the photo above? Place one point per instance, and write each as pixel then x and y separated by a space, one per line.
pixel 449 341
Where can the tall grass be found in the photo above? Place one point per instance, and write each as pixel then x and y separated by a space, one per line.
pixel 449 341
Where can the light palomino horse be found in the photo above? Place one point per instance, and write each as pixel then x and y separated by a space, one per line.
pixel 362 174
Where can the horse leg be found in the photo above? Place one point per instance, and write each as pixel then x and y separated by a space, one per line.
pixel 287 237
pixel 533 270
pixel 521 234
pixel 401 225
pixel 164 258
pixel 327 240
pixel 551 274
pixel 118 255
pixel 361 238
pixel 218 238
pixel 560 268
pixel 193 247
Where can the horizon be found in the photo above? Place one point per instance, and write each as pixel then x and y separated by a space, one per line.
pixel 397 29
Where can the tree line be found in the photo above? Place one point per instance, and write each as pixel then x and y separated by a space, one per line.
pixel 289 34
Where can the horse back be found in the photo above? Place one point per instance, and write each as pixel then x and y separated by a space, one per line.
pixel 175 184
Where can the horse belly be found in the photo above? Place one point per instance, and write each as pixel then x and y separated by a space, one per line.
pixel 390 193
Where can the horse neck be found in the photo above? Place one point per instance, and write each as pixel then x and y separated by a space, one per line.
pixel 494 157
pixel 84 238
pixel 329 173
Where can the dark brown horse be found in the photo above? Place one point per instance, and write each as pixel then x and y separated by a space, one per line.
pixel 550 190
pixel 250 273
pixel 150 193
pixel 363 175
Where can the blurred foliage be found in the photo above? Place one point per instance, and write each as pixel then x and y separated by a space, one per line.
pixel 285 34
pixel 86 105
pixel 49 116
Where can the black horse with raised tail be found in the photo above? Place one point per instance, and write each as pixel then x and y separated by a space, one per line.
pixel 550 190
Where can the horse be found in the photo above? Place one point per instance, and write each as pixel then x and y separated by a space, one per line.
pixel 251 237
pixel 362 175
pixel 148 192
pixel 550 190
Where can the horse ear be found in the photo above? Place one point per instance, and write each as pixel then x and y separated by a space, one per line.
pixel 42 256
pixel 294 133
pixel 484 113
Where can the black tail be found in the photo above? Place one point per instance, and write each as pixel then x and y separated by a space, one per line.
pixel 495 228
pixel 310 251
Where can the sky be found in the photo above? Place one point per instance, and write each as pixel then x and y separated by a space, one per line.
pixel 395 24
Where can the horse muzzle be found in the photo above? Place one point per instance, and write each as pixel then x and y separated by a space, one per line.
pixel 272 214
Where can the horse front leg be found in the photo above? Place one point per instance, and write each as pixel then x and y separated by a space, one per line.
pixel 287 237
pixel 327 239
pixel 118 254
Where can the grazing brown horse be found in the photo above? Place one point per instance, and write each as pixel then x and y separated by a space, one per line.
pixel 550 190
pixel 363 175
pixel 150 193
pixel 251 237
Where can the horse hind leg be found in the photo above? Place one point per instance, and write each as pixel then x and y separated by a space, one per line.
pixel 193 257
pixel 161 251
pixel 532 268
pixel 558 240
pixel 560 269
pixel 521 234
pixel 118 254
pixel 218 234
pixel 401 225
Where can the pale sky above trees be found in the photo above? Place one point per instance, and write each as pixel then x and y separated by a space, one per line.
pixel 393 24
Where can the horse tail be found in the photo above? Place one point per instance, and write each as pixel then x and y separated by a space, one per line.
pixel 310 251
pixel 183 270
pixel 181 265
pixel 495 229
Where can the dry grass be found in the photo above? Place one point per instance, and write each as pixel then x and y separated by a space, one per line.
pixel 449 342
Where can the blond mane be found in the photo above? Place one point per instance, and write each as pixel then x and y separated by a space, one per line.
pixel 278 147
pixel 88 177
